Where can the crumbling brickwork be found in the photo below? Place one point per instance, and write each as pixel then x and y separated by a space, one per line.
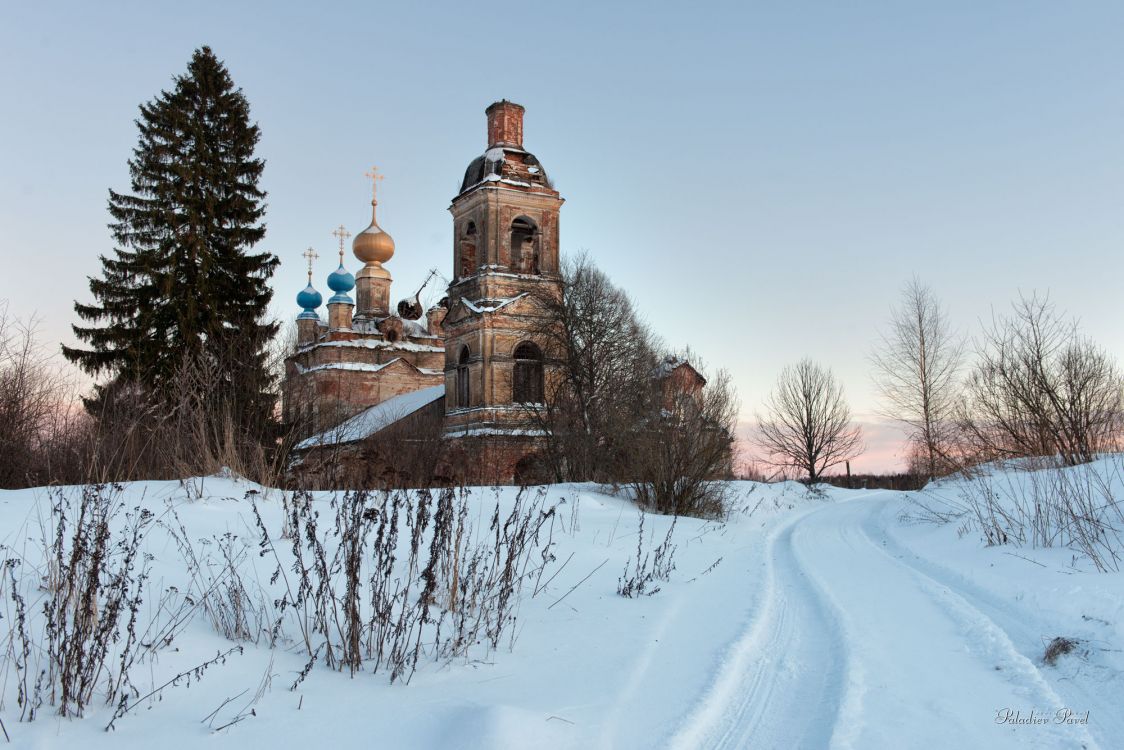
pixel 505 268
pixel 485 341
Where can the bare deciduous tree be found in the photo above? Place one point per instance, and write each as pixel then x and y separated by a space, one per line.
pixel 680 444
pixel 613 412
pixel 807 423
pixel 1041 389
pixel 35 403
pixel 603 351
pixel 915 369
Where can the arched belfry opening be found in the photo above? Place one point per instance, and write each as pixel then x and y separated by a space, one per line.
pixel 524 246
pixel 527 375
pixel 468 244
pixel 463 389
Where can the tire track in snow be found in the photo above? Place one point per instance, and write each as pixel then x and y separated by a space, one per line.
pixel 936 667
pixel 779 685
pixel 853 648
pixel 1011 619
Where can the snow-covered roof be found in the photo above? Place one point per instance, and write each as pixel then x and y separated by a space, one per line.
pixel 672 363
pixel 377 418
pixel 667 366
pixel 353 366
pixel 491 305
pixel 411 328
pixel 402 346
pixel 364 367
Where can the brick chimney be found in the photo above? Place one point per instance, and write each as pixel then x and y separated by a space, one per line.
pixel 505 124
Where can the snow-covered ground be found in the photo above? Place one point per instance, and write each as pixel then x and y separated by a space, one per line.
pixel 805 621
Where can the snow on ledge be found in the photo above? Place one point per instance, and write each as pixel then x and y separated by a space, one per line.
pixel 402 346
pixel 494 432
pixel 487 306
pixel 353 366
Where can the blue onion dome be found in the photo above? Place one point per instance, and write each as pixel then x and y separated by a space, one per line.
pixel 309 299
pixel 340 280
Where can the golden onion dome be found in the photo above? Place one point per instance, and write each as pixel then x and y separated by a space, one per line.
pixel 373 245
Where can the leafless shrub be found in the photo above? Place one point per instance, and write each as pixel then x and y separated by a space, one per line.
pixel 203 421
pixel 238 611
pixel 1041 389
pixel 923 508
pixel 1049 506
pixel 99 587
pixel 680 451
pixel 124 705
pixel 648 567
pixel 1058 647
pixel 807 423
pixel 457 586
pixel 76 602
pixel 37 407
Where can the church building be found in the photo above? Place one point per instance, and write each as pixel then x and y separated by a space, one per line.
pixel 458 385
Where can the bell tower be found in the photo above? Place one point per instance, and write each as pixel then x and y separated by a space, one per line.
pixel 505 267
pixel 505 218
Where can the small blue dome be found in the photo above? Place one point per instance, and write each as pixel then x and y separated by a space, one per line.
pixel 339 298
pixel 309 298
pixel 340 280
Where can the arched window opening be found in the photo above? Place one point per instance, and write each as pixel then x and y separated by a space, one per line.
pixel 527 377
pixel 524 246
pixel 531 469
pixel 463 392
pixel 468 251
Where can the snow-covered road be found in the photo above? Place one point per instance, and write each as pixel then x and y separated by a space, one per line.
pixel 806 620
pixel 859 646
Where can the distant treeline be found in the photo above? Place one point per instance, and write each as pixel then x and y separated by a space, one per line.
pixel 902 481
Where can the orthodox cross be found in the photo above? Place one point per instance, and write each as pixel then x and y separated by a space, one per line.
pixel 341 233
pixel 374 176
pixel 311 255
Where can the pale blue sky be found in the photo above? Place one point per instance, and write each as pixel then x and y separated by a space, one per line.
pixel 761 178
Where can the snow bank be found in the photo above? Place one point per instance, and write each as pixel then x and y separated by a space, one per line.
pixel 803 621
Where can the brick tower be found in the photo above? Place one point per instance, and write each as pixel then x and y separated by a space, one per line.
pixel 505 264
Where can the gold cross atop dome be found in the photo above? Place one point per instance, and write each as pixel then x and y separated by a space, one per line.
pixel 342 234
pixel 311 255
pixel 374 176
pixel 373 246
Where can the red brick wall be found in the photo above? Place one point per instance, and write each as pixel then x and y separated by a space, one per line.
pixel 488 460
pixel 350 392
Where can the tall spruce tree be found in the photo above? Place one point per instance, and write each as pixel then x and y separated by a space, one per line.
pixel 183 289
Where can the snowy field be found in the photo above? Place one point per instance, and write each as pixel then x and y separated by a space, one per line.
pixel 806 620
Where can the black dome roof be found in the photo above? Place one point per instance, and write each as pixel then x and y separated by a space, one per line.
pixel 501 162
